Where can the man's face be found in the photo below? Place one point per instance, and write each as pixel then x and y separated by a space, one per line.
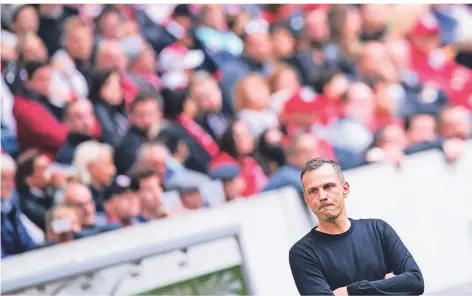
pixel 145 115
pixel 40 177
pixel 155 159
pixel 112 57
pixel 324 193
pixel 34 50
pixel 192 200
pixel 394 135
pixel 374 16
pixel 8 182
pixel 79 43
pixel 103 169
pixel 259 47
pixel 233 188
pixel 306 148
pixel 26 21
pixel 243 138
pixel 80 199
pixel 422 129
pixel 316 23
pixel 360 103
pixel 207 95
pixel 456 123
pixel 81 118
pixel 109 25
pixel 147 59
pixel 41 81
pixel 150 193
pixel 126 205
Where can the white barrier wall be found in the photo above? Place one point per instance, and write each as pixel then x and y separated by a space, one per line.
pixel 428 203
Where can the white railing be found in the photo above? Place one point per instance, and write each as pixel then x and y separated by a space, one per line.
pixel 428 202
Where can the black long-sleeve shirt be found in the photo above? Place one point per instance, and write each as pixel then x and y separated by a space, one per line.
pixel 357 259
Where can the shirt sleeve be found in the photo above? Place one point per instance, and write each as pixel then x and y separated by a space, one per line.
pixel 307 274
pixel 408 279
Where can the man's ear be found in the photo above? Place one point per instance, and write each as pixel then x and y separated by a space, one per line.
pixel 346 189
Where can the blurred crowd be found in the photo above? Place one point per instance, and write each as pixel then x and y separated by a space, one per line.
pixel 107 108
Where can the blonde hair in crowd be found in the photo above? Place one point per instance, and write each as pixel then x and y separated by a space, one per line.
pixel 86 153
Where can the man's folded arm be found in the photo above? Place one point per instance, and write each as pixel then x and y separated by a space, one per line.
pixel 408 279
pixel 307 275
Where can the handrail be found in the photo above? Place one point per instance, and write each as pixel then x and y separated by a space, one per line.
pixel 113 259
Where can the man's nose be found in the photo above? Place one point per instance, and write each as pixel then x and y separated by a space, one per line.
pixel 323 196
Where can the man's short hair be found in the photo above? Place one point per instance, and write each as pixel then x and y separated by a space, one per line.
pixel 141 174
pixel 318 162
pixel 25 168
pixel 143 96
pixel 75 23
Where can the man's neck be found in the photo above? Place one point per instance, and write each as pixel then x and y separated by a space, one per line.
pixel 338 226
pixel 95 184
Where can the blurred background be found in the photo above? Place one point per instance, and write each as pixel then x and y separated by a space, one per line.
pixel 156 149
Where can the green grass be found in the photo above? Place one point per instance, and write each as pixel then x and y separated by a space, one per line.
pixel 223 282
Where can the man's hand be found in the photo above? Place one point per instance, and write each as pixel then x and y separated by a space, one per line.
pixel 341 291
pixel 389 275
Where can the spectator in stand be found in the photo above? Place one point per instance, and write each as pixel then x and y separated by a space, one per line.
pixel 52 18
pixel 110 56
pixel 238 142
pixel 108 102
pixel 79 198
pixel 143 70
pixel 93 162
pixel 23 19
pixel 82 126
pixel 346 26
pixel 389 145
pixel 421 128
pixel 191 198
pixel 122 203
pixel 62 225
pixel 73 61
pixel 15 236
pixel 272 155
pixel 145 123
pixel 353 131
pixel 150 194
pixel 252 104
pixel 180 109
pixel 108 23
pixel 284 83
pixel 39 122
pixel 374 21
pixel 257 57
pixel 302 148
pixel 36 184
pixel 207 94
pixel 226 169
pixel 154 156
pixel 284 42
pixel 455 122
pixel 321 51
pixel 214 34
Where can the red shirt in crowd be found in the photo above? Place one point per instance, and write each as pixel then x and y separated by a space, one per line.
pixel 253 175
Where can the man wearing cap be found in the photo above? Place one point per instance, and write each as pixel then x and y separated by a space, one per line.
pixel 226 169
pixel 122 203
pixel 189 192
